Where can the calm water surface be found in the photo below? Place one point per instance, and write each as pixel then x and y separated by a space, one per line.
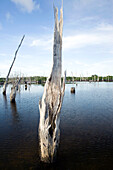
pixel 86 140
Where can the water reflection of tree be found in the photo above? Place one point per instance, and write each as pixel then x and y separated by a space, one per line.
pixel 5 100
pixel 15 114
pixel 29 87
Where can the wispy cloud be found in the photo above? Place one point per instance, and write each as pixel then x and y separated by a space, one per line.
pixel 46 44
pixel 9 17
pixel 27 5
pixel 86 39
pixel 88 18
pixel 3 54
pixel 105 27
pixel 45 28
pixel 98 36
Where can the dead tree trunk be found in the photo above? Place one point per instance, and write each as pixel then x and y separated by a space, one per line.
pixel 52 98
pixel 13 91
pixel 6 82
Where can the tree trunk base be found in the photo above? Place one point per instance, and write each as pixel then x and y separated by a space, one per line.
pixel 4 93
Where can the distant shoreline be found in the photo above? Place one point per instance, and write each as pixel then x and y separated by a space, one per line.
pixel 69 79
pixel 67 82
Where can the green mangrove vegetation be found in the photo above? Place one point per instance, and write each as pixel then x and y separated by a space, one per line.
pixel 69 79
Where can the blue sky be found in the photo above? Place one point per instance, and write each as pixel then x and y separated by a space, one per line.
pixel 87 36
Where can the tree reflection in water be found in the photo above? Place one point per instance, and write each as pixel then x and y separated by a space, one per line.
pixel 5 101
pixel 15 114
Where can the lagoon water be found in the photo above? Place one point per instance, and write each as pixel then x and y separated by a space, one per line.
pixel 86 140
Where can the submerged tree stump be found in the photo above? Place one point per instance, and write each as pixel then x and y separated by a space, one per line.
pixel 52 98
pixel 72 89
pixel 13 91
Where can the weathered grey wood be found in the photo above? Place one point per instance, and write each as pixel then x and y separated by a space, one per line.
pixel 6 82
pixel 51 102
pixel 13 91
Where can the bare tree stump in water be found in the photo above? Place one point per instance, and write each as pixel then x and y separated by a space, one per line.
pixel 13 91
pixel 6 82
pixel 52 98
pixel 72 89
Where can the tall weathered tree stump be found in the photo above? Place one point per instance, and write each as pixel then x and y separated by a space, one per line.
pixel 6 82
pixel 52 98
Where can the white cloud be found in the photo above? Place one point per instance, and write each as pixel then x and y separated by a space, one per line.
pixel 97 36
pixel 46 44
pixel 75 41
pixel 105 27
pixel 93 37
pixel 82 40
pixel 26 5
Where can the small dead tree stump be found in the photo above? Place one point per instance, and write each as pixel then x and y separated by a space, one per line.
pixel 13 91
pixel 72 89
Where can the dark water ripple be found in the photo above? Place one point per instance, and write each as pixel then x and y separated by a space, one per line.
pixel 86 140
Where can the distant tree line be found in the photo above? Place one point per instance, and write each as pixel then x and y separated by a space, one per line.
pixel 69 79
pixel 91 78
pixel 2 80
